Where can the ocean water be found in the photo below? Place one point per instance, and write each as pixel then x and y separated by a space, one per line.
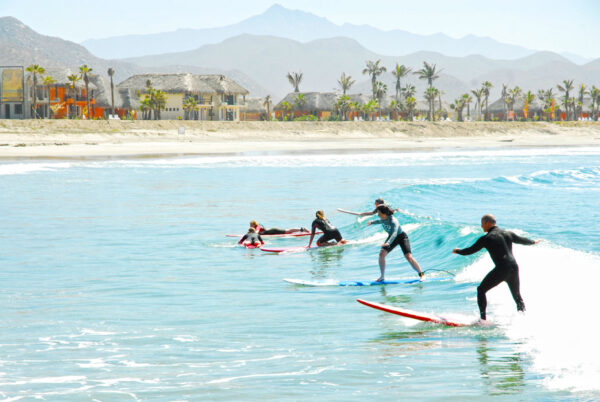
pixel 118 283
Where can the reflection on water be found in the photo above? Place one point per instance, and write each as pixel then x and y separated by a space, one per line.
pixel 503 374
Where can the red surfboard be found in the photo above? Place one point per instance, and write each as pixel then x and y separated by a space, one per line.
pixel 415 315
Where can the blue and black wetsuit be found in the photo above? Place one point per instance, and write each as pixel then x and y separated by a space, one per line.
pixel 395 235
pixel 272 231
pixel 329 231
pixel 498 243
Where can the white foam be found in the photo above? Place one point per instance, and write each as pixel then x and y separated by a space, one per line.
pixel 24 168
pixel 560 329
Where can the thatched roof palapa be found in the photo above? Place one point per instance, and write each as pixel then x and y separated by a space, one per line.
pixel 184 83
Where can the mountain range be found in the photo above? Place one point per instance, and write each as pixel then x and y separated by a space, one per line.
pixel 302 26
pixel 260 63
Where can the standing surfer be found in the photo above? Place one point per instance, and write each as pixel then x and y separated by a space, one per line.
pixel 498 243
pixel 395 237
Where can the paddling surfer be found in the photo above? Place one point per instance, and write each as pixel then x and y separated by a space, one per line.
pixel 395 237
pixel 260 229
pixel 330 232
pixel 498 243
pixel 252 238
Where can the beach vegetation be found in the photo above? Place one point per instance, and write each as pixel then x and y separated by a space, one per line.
pixel 85 73
pixel 374 69
pixel 47 82
pixel 399 72
pixel 35 69
pixel 111 72
pixel 486 86
pixel 566 88
pixel 430 73
pixel 295 78
pixel 73 79
pixel 268 103
pixel 345 83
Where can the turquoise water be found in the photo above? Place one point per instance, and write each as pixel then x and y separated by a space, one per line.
pixel 118 283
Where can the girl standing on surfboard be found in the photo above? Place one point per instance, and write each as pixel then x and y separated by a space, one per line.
pixel 330 232
pixel 395 237
pixel 260 229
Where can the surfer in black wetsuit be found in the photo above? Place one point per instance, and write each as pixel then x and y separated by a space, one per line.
pixel 498 243
pixel 330 232
pixel 260 229
pixel 252 238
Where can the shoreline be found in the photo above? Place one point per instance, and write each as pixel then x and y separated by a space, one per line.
pixel 77 139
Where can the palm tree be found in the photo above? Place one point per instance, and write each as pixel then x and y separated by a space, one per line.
pixel 467 101
pixel 35 69
pixel 380 90
pixel 430 94
pixel 400 72
pixel 430 73
pixel 409 91
pixel 159 101
pixel 459 105
pixel 478 94
pixel 85 73
pixel 595 95
pixel 287 107
pixel 396 107
pixel 345 82
pixel 74 78
pixel 299 101
pixel 513 96
pixel 111 72
pixel 295 79
pixel 566 88
pixel 146 108
pixel 503 96
pixel 190 106
pixel 440 93
pixel 341 106
pixel 410 103
pixel 486 86
pixel 582 92
pixel 529 97
pixel 47 82
pixel 374 70
pixel 267 103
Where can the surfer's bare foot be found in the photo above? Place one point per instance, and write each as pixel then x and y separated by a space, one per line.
pixel 343 241
pixel 421 276
pixel 304 230
pixel 381 279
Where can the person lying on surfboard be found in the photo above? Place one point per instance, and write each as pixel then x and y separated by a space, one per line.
pixel 395 237
pixel 260 229
pixel 330 232
pixel 498 243
pixel 378 202
pixel 251 238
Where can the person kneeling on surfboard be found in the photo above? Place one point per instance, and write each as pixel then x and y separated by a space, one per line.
pixel 260 229
pixel 395 237
pixel 330 232
pixel 498 243
pixel 252 238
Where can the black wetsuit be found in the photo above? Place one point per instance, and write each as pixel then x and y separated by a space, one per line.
pixel 271 231
pixel 498 243
pixel 329 231
pixel 251 238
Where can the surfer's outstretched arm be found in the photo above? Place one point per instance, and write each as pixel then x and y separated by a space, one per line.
pixel 470 250
pixel 522 240
pixel 357 213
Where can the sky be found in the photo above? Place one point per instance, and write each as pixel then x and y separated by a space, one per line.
pixel 559 26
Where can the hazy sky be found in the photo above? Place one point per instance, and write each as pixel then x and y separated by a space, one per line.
pixel 565 25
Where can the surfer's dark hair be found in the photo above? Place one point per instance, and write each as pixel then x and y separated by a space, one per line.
pixel 379 201
pixel 384 209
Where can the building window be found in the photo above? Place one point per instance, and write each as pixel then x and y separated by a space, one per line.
pixel 18 109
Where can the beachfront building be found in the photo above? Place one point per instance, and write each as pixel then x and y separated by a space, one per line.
pixel 215 97
pixel 298 104
pixel 14 103
pixel 256 110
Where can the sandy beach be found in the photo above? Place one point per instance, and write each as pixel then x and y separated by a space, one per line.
pixel 24 139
